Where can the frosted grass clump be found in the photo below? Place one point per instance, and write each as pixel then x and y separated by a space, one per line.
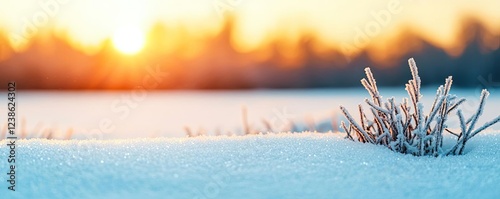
pixel 405 128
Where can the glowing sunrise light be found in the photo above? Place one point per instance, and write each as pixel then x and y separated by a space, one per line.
pixel 128 40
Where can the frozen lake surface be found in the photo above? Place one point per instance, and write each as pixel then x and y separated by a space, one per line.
pixel 133 114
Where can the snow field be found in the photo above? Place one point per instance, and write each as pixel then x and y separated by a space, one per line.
pixel 300 165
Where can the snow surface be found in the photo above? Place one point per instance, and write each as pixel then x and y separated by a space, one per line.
pixel 305 165
pixel 167 113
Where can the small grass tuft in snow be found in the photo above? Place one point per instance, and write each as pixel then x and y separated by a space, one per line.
pixel 38 132
pixel 404 127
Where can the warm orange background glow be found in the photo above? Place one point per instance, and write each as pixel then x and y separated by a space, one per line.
pixel 108 44
pixel 87 24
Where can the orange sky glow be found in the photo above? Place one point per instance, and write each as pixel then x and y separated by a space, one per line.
pixel 345 25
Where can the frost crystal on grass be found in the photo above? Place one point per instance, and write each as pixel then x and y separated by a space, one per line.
pixel 405 128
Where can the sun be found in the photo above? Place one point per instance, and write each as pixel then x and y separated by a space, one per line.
pixel 128 40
